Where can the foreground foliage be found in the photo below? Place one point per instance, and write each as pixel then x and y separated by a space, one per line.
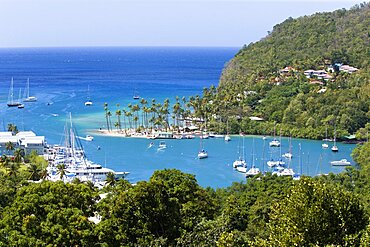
pixel 171 209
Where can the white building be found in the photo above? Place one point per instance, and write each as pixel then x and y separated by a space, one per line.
pixel 26 140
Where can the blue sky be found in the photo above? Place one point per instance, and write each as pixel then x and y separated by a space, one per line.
pixel 45 23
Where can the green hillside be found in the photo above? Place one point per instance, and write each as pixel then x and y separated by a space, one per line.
pixel 252 84
pixel 307 42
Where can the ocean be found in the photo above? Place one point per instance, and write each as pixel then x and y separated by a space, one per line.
pixel 63 78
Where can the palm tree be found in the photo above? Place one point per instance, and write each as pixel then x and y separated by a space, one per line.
pixel 34 171
pixel 129 115
pixel 106 114
pixel 109 114
pixel 13 169
pixel 110 179
pixel 18 155
pixel 12 128
pixel 61 170
pixel 118 114
pixel 9 146
pixel 44 174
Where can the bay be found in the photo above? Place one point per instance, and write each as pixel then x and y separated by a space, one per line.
pixel 59 78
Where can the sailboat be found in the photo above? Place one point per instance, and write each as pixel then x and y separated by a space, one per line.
pixel 11 102
pixel 325 145
pixel 254 170
pixel 20 106
pixel 289 155
pixel 274 142
pixel 27 97
pixel 136 95
pixel 240 164
pixel 334 148
pixel 202 154
pixel 88 101
pixel 227 136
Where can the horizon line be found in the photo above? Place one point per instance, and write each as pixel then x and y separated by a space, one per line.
pixel 118 46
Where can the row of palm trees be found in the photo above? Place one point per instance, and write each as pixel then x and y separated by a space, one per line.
pixel 147 115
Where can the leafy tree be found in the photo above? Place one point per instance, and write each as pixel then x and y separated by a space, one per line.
pixel 315 213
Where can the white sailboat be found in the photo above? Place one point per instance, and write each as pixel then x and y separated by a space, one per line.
pixel 334 148
pixel 240 162
pixel 254 170
pixel 27 97
pixel 20 106
pixel 11 102
pixel 325 145
pixel 136 95
pixel 202 154
pixel 274 142
pixel 289 155
pixel 227 136
pixel 88 101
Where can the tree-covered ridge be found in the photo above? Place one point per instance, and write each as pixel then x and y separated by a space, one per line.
pixel 252 84
pixel 307 42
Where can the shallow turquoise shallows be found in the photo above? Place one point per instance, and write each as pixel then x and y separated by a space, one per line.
pixel 60 78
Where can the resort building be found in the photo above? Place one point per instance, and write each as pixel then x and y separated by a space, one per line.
pixel 26 140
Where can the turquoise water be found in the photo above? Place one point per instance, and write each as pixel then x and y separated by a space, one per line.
pixel 60 77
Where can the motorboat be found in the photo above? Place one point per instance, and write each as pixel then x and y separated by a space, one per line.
pixel 162 145
pixel 227 138
pixel 324 145
pixel 89 138
pixel 342 162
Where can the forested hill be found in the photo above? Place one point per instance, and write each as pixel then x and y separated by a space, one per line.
pixel 270 79
pixel 307 42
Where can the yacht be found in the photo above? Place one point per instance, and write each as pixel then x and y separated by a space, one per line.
pixel 240 162
pixel 74 158
pixel 342 162
pixel 27 97
pixel 88 101
pixel 162 145
pixel 11 102
pixel 242 169
pixel 202 154
pixel 324 145
pixel 274 143
pixel 273 163
pixel 252 172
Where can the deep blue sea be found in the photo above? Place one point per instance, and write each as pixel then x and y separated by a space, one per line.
pixel 60 77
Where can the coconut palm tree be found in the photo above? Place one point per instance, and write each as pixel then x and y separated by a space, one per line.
pixel 9 146
pixel 110 180
pixel 18 155
pixel 34 172
pixel 61 170
pixel 106 114
pixel 118 114
pixel 12 128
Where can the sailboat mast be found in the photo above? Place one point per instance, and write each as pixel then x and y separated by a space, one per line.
pixel 28 87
